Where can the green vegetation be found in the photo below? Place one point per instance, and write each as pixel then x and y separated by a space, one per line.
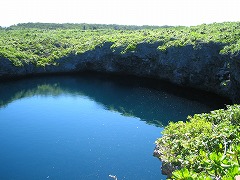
pixel 42 44
pixel 207 146
pixel 82 26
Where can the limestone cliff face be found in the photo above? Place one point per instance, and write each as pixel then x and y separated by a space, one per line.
pixel 200 66
pixel 235 79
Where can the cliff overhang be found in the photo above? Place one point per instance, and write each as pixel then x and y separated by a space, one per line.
pixel 201 67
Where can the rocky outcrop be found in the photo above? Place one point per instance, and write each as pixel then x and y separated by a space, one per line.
pixel 235 78
pixel 166 168
pixel 199 66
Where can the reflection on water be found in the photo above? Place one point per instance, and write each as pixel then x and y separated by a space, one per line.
pixel 155 104
pixel 87 127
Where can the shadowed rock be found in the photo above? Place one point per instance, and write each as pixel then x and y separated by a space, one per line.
pixel 200 66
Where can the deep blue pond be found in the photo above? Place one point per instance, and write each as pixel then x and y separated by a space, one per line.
pixel 86 128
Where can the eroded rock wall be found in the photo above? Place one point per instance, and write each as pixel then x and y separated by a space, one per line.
pixel 199 66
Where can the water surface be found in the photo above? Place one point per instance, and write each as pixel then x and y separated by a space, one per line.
pixel 84 127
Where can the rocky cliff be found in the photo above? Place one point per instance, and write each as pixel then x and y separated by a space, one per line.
pixel 200 66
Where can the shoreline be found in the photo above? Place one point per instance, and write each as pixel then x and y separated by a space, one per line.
pixel 210 73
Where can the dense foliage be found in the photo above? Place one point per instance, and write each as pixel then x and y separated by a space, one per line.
pixel 41 44
pixel 207 146
pixel 82 26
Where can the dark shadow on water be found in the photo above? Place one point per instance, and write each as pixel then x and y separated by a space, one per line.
pixel 150 100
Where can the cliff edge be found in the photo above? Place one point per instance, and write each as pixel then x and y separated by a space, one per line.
pixel 201 67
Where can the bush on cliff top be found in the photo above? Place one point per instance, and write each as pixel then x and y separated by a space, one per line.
pixel 41 46
pixel 207 146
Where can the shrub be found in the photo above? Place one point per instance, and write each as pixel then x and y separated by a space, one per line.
pixel 206 145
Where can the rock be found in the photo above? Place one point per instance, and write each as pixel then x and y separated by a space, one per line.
pixel 200 67
pixel 235 78
pixel 166 168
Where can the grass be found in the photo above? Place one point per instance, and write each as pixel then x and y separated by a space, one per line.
pixel 43 46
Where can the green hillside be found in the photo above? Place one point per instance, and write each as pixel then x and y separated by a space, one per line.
pixel 42 44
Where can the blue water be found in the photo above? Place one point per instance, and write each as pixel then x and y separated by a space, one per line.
pixel 84 128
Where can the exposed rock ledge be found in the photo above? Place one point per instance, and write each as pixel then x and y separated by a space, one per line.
pixel 200 67
pixel 167 168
